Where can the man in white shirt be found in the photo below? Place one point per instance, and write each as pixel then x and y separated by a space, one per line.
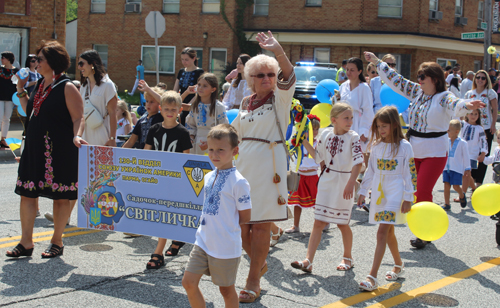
pixel 455 74
pixel 466 84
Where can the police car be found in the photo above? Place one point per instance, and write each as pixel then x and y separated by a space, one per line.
pixel 308 75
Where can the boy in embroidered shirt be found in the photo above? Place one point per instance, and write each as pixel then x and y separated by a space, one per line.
pixel 227 205
pixel 458 165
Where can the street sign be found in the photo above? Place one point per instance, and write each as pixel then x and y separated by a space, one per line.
pixel 484 26
pixel 155 27
pixel 153 19
pixel 472 35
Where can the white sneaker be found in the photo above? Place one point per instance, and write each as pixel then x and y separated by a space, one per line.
pixel 50 218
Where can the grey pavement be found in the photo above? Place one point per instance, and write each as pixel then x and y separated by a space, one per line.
pixel 108 269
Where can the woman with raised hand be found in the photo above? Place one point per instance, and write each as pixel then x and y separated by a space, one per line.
pixel 49 163
pixel 430 111
pixel 261 123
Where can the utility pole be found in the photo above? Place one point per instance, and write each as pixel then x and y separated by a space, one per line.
pixel 487 34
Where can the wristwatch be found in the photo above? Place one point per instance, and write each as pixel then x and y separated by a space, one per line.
pixel 112 138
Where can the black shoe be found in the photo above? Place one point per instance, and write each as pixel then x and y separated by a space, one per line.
pixel 174 251
pixel 418 243
pixel 463 201
pixel 20 251
pixel 446 207
pixel 53 251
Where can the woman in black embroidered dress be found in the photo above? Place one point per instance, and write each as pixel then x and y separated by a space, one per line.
pixel 49 163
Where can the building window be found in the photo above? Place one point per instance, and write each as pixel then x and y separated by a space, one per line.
pixel 459 7
pixel 218 59
pixel 166 59
pixel 98 6
pixel 446 62
pixel 261 7
pixel 103 53
pixel 433 5
pixel 390 8
pixel 171 6
pixel 211 6
pixel 199 55
pixel 477 65
pixel 480 14
pixel 133 6
pixel 322 55
pixel 313 2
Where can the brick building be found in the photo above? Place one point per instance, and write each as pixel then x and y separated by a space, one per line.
pixel 25 23
pixel 310 30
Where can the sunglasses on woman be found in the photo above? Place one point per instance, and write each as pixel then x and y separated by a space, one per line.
pixel 262 75
pixel 33 61
pixel 421 76
pixel 80 63
pixel 393 65
pixel 481 77
pixel 374 72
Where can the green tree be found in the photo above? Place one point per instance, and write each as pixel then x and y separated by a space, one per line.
pixel 71 10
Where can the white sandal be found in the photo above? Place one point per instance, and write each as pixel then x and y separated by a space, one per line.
pixel 275 241
pixel 394 276
pixel 367 285
pixel 300 265
pixel 345 267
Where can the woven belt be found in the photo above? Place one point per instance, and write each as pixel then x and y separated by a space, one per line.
pixel 328 171
pixel 259 140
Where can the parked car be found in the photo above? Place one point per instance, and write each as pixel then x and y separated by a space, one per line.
pixel 308 75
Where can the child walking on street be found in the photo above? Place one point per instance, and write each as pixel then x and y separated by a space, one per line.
pixel 169 136
pixel 473 133
pixel 340 150
pixel 226 206
pixel 457 166
pixel 392 176
pixel 206 112
pixel 305 196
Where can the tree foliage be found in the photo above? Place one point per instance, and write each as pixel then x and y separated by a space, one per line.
pixel 246 46
pixel 71 10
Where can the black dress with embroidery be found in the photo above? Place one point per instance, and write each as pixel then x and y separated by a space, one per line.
pixel 49 163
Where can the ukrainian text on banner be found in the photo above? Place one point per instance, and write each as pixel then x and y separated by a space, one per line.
pixel 138 191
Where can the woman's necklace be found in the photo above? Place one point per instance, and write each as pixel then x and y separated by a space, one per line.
pixel 42 94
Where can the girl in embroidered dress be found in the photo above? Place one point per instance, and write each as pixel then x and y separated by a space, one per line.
pixel 305 196
pixel 392 177
pixel 482 90
pixel 430 111
pixel 473 133
pixel 340 150
pixel 206 112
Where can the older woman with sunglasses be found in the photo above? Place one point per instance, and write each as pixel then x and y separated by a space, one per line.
pixel 262 119
pixel 482 90
pixel 376 82
pixel 430 111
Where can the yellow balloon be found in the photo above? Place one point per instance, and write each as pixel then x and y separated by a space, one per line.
pixel 322 110
pixel 486 199
pixel 427 221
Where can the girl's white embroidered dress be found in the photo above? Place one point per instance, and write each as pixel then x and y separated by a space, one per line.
pixel 340 153
pixel 395 176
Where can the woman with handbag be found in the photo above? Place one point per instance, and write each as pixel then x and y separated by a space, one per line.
pixel 99 97
pixel 262 161
pixel 49 163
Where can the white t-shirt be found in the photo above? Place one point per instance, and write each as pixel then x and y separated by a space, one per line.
pixel 120 126
pixel 465 87
pixel 450 77
pixel 219 233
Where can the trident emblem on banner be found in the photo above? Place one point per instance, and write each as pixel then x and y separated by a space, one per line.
pixel 95 216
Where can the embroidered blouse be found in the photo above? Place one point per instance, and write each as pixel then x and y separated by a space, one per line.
pixel 475 137
pixel 458 158
pixel 426 114
pixel 234 96
pixel 486 96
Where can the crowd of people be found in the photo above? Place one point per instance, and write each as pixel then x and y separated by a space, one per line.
pixel 362 154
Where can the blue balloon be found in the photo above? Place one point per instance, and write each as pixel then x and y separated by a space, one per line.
pixel 231 115
pixel 325 90
pixel 16 102
pixel 390 98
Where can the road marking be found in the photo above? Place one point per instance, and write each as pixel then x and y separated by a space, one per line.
pixel 18 237
pixel 47 238
pixel 433 286
pixel 364 296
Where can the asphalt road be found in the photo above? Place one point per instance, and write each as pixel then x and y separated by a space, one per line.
pixel 107 269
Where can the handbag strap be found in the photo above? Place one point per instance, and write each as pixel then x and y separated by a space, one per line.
pixel 279 129
pixel 87 98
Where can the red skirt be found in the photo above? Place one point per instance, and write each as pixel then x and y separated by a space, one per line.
pixel 305 196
